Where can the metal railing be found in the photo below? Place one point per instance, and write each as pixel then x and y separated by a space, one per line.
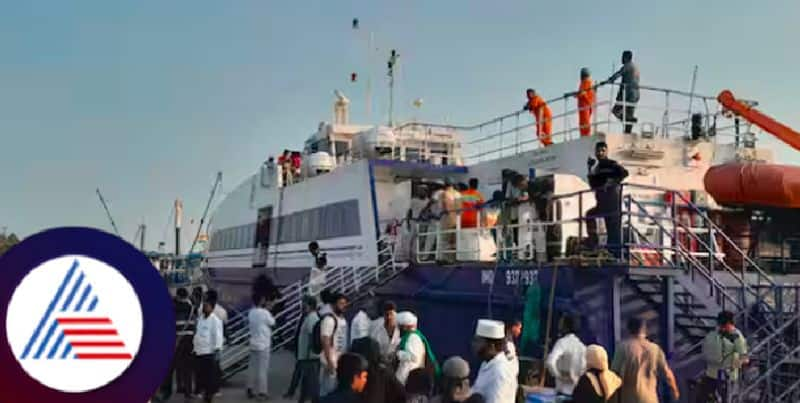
pixel 349 280
pixel 661 112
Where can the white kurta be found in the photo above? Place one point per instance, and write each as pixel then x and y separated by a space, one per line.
pixel 388 343
pixel 567 362
pixel 511 354
pixel 496 381
pixel 359 326
pixel 411 358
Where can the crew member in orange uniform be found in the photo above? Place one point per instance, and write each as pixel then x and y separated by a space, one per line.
pixel 471 201
pixel 585 102
pixel 539 109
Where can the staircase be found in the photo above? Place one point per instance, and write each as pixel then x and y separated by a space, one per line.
pixel 355 282
pixel 689 282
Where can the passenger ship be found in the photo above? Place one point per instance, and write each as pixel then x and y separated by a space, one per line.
pixel 710 222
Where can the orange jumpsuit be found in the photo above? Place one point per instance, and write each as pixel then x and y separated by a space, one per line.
pixel 585 105
pixel 543 115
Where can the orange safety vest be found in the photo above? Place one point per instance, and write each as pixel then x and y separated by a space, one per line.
pixel 470 200
pixel 586 93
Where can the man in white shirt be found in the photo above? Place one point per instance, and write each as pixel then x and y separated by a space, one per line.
pixel 261 322
pixel 333 332
pixel 385 331
pixel 359 326
pixel 496 381
pixel 513 331
pixel 567 361
pixel 412 351
pixel 208 340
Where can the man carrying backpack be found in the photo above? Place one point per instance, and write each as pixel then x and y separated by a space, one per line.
pixel 307 359
pixel 331 334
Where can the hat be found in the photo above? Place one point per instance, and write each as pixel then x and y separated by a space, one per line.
pixel 490 329
pixel 455 367
pixel 406 318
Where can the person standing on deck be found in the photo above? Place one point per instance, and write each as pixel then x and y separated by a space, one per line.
pixel 586 99
pixel 537 106
pixel 449 207
pixel 496 381
pixel 333 333
pixel 605 176
pixel 471 201
pixel 640 363
pixel 287 169
pixel 628 94
pixel 260 321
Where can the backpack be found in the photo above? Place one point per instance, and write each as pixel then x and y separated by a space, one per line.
pixel 316 335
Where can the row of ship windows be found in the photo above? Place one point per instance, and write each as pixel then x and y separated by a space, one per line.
pixel 336 220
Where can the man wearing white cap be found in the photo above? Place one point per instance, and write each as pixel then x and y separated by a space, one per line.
pixel 496 381
pixel 414 349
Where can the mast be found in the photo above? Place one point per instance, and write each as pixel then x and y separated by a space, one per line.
pixel 178 214
pixel 392 64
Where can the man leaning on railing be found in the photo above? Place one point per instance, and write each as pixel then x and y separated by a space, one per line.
pixel 605 176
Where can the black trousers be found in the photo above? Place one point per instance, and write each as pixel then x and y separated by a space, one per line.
pixel 309 380
pixel 295 379
pixel 613 223
pixel 208 376
pixel 628 116
pixel 183 365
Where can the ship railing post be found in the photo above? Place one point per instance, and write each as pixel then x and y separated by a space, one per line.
pixel 580 218
pixel 457 234
pixel 516 141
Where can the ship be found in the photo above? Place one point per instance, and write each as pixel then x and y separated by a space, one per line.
pixel 710 222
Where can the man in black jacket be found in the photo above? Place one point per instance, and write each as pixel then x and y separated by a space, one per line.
pixel 605 176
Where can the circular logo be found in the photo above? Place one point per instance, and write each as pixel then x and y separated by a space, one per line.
pixel 89 327
pixel 88 319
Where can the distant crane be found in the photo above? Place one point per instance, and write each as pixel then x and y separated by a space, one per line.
pixel 217 184
pixel 108 212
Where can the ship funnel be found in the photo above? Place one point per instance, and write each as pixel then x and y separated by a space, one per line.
pixel 341 109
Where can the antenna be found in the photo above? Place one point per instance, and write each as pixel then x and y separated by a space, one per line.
pixel 691 91
pixel 392 64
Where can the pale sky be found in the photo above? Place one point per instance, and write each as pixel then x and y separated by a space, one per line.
pixel 149 99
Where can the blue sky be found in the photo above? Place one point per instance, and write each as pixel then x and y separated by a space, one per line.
pixel 148 99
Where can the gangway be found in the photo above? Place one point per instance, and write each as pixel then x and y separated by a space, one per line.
pixel 355 282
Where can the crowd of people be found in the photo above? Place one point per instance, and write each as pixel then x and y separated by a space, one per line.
pixel 384 357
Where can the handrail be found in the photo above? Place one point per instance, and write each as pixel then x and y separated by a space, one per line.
pixel 775 333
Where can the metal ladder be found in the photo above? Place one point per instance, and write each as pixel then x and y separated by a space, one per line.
pixel 355 282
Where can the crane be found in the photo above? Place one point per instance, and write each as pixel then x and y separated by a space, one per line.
pixel 217 184
pixel 108 212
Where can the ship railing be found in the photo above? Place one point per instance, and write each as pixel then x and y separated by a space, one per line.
pixel 660 112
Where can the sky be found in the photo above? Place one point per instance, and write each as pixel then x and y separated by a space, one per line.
pixel 147 99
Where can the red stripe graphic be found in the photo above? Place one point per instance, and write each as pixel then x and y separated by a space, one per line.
pixel 90 332
pixel 103 356
pixel 77 344
pixel 84 321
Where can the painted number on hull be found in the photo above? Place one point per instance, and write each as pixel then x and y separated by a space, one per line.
pixel 520 277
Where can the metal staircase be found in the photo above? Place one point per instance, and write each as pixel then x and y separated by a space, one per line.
pixel 355 282
pixel 690 281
